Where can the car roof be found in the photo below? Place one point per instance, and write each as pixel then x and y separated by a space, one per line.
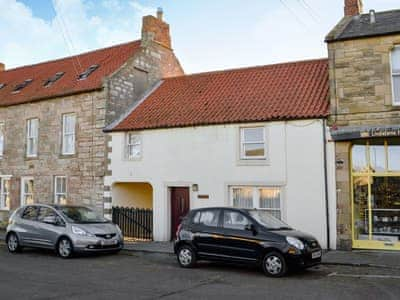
pixel 221 207
pixel 54 206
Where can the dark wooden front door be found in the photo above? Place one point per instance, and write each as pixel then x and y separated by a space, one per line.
pixel 179 207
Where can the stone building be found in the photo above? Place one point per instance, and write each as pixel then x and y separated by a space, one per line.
pixel 364 72
pixel 52 147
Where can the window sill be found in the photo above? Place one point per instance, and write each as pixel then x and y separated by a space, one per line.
pixel 253 162
pixel 31 157
pixel 133 159
pixel 74 155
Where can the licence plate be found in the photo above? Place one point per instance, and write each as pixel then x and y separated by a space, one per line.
pixel 108 243
pixel 316 254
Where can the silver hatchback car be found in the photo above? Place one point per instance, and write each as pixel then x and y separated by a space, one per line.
pixel 66 229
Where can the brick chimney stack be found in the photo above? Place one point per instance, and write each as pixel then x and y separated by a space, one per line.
pixel 353 7
pixel 155 29
pixel 2 67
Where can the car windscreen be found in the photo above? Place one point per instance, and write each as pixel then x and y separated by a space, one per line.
pixel 268 220
pixel 81 215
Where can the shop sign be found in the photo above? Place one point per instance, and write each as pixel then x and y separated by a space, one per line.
pixel 352 133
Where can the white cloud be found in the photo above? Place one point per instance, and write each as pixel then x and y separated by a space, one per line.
pixel 274 35
pixel 142 9
pixel 78 26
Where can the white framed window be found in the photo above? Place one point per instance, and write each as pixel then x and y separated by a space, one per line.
pixel 60 190
pixel 32 137
pixel 2 133
pixel 27 191
pixel 68 134
pixel 266 198
pixel 133 146
pixel 252 143
pixel 395 65
pixel 5 193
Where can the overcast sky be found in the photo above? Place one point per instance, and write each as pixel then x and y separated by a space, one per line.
pixel 206 34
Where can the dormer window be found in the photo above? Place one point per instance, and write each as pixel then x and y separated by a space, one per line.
pixel 88 71
pixel 20 86
pixel 53 79
pixel 2 85
pixel 395 57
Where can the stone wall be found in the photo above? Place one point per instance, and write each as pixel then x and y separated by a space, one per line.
pixel 361 94
pixel 360 81
pixel 137 76
pixel 84 170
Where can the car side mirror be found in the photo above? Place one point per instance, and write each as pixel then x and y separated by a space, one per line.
pixel 251 227
pixel 50 220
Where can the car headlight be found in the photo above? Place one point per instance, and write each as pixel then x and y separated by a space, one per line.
pixel 80 231
pixel 295 242
pixel 118 229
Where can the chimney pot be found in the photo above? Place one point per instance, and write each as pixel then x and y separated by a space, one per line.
pixel 160 13
pixel 2 67
pixel 372 17
pixel 353 7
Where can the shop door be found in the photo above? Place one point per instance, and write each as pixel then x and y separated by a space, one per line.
pixel 179 207
pixel 376 194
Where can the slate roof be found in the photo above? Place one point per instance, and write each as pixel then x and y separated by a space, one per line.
pixel 387 22
pixel 109 60
pixel 286 91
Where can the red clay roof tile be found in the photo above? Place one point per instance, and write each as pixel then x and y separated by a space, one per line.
pixel 295 90
pixel 109 60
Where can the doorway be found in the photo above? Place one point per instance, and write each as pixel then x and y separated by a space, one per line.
pixel 180 203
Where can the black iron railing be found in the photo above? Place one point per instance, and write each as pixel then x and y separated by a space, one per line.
pixel 134 222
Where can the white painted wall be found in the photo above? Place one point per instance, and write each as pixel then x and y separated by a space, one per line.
pixel 208 156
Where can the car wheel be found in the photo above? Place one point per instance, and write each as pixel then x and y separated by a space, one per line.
pixel 186 257
pixel 13 243
pixel 65 248
pixel 274 264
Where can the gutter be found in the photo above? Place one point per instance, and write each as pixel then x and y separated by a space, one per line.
pixel 326 186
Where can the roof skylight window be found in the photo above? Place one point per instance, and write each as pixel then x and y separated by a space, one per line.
pixel 53 79
pixel 88 71
pixel 22 85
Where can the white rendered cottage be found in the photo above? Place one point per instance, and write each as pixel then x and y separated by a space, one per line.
pixel 251 137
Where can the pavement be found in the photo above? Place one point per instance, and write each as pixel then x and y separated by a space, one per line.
pixel 39 274
pixel 356 258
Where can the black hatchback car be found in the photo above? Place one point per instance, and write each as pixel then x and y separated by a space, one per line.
pixel 244 236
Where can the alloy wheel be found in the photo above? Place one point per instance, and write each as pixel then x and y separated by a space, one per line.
pixel 273 265
pixel 185 257
pixel 65 248
pixel 12 243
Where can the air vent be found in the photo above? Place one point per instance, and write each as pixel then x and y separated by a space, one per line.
pixel 89 71
pixel 53 79
pixel 20 86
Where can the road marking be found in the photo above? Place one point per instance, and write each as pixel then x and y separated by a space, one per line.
pixel 364 276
